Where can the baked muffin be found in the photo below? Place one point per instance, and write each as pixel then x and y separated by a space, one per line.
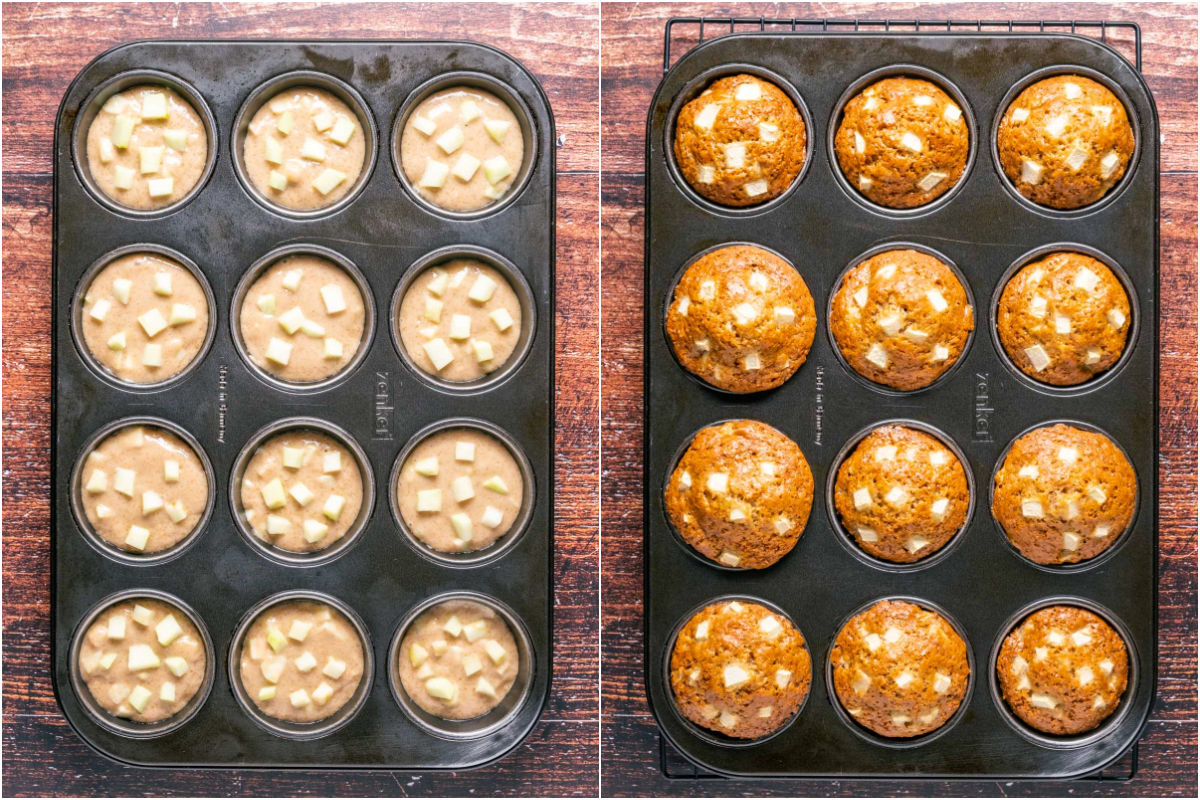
pixel 741 494
pixel 1065 141
pixel 1063 319
pixel 740 669
pixel 741 319
pixel 899 670
pixel 902 142
pixel 741 142
pixel 901 494
pixel 1064 494
pixel 1063 670
pixel 901 319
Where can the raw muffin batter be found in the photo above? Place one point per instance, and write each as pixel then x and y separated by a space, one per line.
pixel 147 147
pixel 899 670
pixel 458 660
pixel 901 494
pixel 1063 319
pixel 142 660
pixel 741 319
pixel 1063 670
pixel 901 318
pixel 304 149
pixel 462 148
pixel 1065 141
pixel 302 319
pixel 740 669
pixel 459 490
pixel 1064 494
pixel 143 489
pixel 301 661
pixel 902 142
pixel 460 320
pixel 301 491
pixel 144 317
pixel 741 142
pixel 741 494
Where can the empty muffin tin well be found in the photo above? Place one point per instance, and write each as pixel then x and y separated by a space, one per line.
pixel 978 407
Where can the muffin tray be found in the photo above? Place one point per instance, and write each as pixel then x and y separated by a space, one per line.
pixel 984 229
pixel 385 231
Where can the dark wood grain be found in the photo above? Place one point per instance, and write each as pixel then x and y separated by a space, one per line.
pixel 631 64
pixel 44 47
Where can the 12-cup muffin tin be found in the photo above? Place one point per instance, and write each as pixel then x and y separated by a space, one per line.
pixel 983 227
pixel 385 232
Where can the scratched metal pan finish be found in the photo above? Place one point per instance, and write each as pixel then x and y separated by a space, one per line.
pixel 381 404
pixel 982 405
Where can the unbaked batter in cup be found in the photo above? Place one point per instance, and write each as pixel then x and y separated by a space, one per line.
pixel 142 660
pixel 304 149
pixel 301 661
pixel 458 660
pixel 459 490
pixel 460 320
pixel 302 319
pixel 144 318
pixel 462 148
pixel 301 491
pixel 143 489
pixel 147 147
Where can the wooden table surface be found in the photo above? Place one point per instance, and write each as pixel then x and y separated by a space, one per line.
pixel 631 59
pixel 44 47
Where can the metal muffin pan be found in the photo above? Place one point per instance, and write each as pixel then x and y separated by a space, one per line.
pixel 981 406
pixel 380 403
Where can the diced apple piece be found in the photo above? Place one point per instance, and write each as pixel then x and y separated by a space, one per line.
pixel 439 354
pixel 116 627
pixel 460 327
pixel 484 687
pixel 168 630
pixel 306 662
pixel 301 494
pixel 328 180
pixel 502 319
pixel 735 155
pixel 331 462
pixel 137 537
pixel 465 167
pixel 122 131
pixel 97 482
pixel 99 311
pixel 152 355
pixel 154 106
pixel 495 651
pixel 437 283
pixel 277 525
pixel 462 526
pixel 427 467
pixel 139 698
pixel 150 160
pixel 177 665
pixel 931 180
pixel 1031 172
pixel 496 169
pixel 312 150
pixel 1116 318
pixel 272 669
pixel 151 501
pixel 273 151
pixel 424 124
pixel 323 121
pixel 322 693
pixel 277 180
pixel 152 322
pixel 291 279
pixel 299 630
pixel 293 457
pixel 1109 163
pixel 333 348
pixel 276 639
pixel 160 187
pixel 1037 357
pixel 333 507
pixel 142 615
pixel 451 140
pixel 123 177
pixel 497 129
pixel 176 511
pixel 496 484
pixel 482 289
pixel 434 176
pixel 331 296
pixel 314 531
pixel 103 511
pixel 162 284
pixel 299 698
pixel 707 117
pixel 142 656
pixel 462 489
pixel 706 173
pixel 266 693
pixel 471 664
pixel 441 688
pixel 273 494
pixel 176 139
pixel 483 350
pixel 123 481
pixel 279 351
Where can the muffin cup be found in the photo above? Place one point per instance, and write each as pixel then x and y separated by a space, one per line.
pixel 899 71
pixel 99 264
pixel 124 556
pixel 884 248
pixel 256 270
pixel 1078 566
pixel 847 540
pixel 690 91
pixel 670 298
pixel 317 80
pixel 485 555
pixel 475 80
pixel 711 736
pixel 895 742
pixel 1131 334
pixel 519 285
pixel 1048 740
pixel 315 557
pixel 485 724
pixel 1050 72
pixel 301 731
pixel 129 728
pixel 91 107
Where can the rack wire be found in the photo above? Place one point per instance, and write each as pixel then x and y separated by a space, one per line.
pixel 1103 30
